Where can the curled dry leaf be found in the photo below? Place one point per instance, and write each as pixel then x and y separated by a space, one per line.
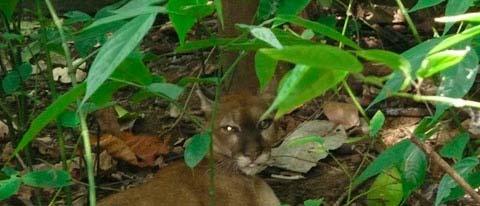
pixel 61 74
pixel 3 131
pixel 6 152
pixel 342 113
pixel 139 150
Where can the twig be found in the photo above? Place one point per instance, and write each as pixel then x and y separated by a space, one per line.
pixel 456 102
pixel 410 23
pixel 445 167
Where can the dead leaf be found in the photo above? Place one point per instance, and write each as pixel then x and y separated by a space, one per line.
pixel 7 152
pixel 3 131
pixel 106 162
pixel 61 74
pixel 303 157
pixel 342 113
pixel 46 146
pixel 139 150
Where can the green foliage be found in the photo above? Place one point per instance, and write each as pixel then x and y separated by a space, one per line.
pixel 386 190
pixel 313 202
pixel 7 7
pixel 413 169
pixel 265 67
pixel 455 148
pixel 115 50
pixel 68 119
pixel 440 61
pixel 422 4
pixel 13 80
pixel 197 148
pixel 184 14
pixel 454 8
pixel 49 114
pixel 376 123
pixel 170 91
pixel 464 167
pixel 304 140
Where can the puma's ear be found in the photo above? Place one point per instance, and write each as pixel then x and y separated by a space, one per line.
pixel 206 104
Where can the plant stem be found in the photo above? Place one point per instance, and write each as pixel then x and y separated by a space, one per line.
pixel 447 100
pixel 410 23
pixel 88 158
pixel 354 100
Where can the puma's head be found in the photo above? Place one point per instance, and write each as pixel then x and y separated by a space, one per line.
pixel 241 139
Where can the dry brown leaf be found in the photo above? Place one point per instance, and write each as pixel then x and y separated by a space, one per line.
pixel 106 162
pixel 7 152
pixel 61 74
pixel 342 113
pixel 139 150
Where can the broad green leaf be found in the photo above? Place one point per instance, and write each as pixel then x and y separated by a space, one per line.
pixel 455 7
pixel 132 69
pixel 197 148
pixel 115 50
pixel 413 169
pixel 473 17
pixel 11 82
pixel 319 28
pixel 457 81
pixel 182 23
pixel 392 60
pixel 422 4
pixel 457 192
pixel 318 56
pixel 76 17
pixel 9 187
pixel 7 7
pixel 385 160
pixel 168 90
pixel 266 9
pixel 376 123
pixel 440 61
pixel 313 202
pixel 302 84
pixel 47 178
pixel 455 148
pixel 289 7
pixel 415 56
pixel 386 190
pixel 463 167
pixel 127 15
pixel 104 94
pixel 265 68
pixel 198 11
pixel 68 119
pixel 456 39
pixel 266 35
pixel 137 5
pixel 49 114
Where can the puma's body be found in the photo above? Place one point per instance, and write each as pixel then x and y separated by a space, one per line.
pixel 178 185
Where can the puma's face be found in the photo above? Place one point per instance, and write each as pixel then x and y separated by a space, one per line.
pixel 240 137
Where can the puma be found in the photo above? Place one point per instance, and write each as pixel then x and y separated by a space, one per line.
pixel 241 142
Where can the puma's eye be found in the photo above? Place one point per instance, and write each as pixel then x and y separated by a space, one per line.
pixel 230 129
pixel 264 124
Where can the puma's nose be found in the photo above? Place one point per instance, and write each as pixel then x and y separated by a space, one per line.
pixel 252 155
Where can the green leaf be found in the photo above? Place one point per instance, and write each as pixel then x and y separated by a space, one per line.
pixel 392 60
pixel 197 148
pixel 456 39
pixel 266 9
pixel 266 35
pixel 168 90
pixel 422 4
pixel 289 7
pixel 11 82
pixel 319 56
pixel 302 84
pixel 265 68
pixel 386 190
pixel 455 7
pixel 47 178
pixel 76 17
pixel 49 114
pixel 385 160
pixel 68 119
pixel 198 11
pixel 9 187
pixel 415 56
pixel 463 167
pixel 183 23
pixel 104 94
pixel 457 192
pixel 440 61
pixel 457 81
pixel 147 11
pixel 115 50
pixel 319 28
pixel 137 5
pixel 455 148
pixel 413 169
pixel 313 202
pixel 376 123
pixel 7 7
pixel 132 69
pixel 473 17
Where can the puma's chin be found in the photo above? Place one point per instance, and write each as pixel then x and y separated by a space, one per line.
pixel 253 169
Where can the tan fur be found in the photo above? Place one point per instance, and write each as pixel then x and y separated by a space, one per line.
pixel 234 185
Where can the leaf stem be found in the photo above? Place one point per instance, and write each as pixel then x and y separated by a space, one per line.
pixel 410 23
